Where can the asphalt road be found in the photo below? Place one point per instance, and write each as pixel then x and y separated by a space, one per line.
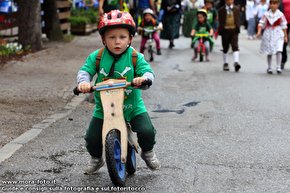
pixel 218 132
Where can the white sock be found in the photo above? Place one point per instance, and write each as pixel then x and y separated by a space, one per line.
pixel 236 56
pixel 278 60
pixel 225 57
pixel 269 60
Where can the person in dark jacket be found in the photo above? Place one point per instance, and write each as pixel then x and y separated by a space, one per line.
pixel 229 29
pixel 171 20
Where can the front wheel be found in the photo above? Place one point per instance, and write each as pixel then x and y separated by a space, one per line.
pixel 131 160
pixel 116 169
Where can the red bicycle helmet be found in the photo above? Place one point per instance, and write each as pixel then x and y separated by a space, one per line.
pixel 116 18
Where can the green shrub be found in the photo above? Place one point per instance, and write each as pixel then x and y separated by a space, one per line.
pixel 78 20
pixel 82 16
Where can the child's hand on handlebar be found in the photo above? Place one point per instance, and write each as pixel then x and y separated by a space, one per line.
pixel 138 81
pixel 84 87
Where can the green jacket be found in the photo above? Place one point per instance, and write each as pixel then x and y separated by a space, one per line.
pixel 204 29
pixel 124 68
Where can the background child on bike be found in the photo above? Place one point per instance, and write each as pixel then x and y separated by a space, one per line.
pixel 274 35
pixel 148 21
pixel 202 28
pixel 117 30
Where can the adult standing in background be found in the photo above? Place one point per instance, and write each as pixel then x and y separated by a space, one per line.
pixel 171 20
pixel 189 16
pixel 286 10
pixel 106 6
pixel 199 4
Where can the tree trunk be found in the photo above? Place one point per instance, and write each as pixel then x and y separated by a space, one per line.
pixel 52 25
pixel 29 23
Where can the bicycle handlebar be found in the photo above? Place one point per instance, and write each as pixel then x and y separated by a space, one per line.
pixel 146 83
pixel 150 30
pixel 201 35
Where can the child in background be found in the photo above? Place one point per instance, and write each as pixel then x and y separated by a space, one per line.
pixel 251 18
pixel 149 21
pixel 211 13
pixel 202 27
pixel 229 29
pixel 262 8
pixel 115 61
pixel 275 34
pixel 211 18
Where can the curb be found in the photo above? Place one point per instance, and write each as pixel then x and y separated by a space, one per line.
pixel 9 149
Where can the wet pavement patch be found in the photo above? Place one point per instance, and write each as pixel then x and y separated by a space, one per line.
pixel 178 111
pixel 61 164
pixel 191 104
pixel 176 67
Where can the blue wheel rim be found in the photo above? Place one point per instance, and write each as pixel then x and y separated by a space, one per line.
pixel 120 167
pixel 133 157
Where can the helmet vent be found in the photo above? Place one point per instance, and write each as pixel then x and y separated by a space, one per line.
pixel 119 15
pixel 109 16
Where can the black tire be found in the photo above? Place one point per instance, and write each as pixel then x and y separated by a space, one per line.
pixel 114 164
pixel 151 54
pixel 200 57
pixel 131 160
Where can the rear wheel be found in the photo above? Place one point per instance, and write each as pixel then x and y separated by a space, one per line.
pixel 131 160
pixel 116 169
pixel 151 54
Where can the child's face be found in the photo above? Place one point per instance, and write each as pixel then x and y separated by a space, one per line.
pixel 274 5
pixel 147 17
pixel 229 2
pixel 117 40
pixel 208 5
pixel 200 18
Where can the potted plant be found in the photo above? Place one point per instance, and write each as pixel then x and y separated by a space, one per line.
pixel 83 21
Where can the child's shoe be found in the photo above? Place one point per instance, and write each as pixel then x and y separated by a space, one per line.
pixel 151 160
pixel 94 165
pixel 237 66
pixel 269 71
pixel 207 59
pixel 226 67
pixel 158 52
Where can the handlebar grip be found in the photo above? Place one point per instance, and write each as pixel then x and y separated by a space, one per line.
pixel 76 91
pixel 146 83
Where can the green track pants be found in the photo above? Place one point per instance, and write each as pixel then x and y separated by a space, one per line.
pixel 141 124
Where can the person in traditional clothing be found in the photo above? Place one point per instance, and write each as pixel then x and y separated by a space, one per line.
pixel 171 20
pixel 229 29
pixel 274 24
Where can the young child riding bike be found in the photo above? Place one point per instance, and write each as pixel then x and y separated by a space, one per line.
pixel 116 61
pixel 202 28
pixel 148 21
